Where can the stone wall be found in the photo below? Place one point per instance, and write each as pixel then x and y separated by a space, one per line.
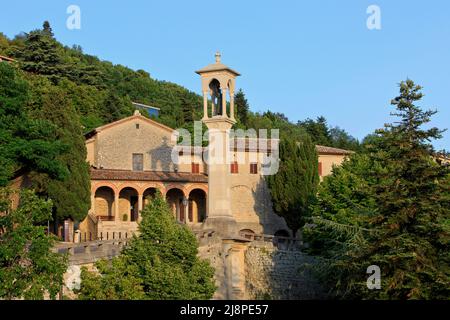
pixel 271 273
pixel 243 269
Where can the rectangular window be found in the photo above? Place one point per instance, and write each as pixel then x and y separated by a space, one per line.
pixel 253 168
pixel 138 162
pixel 195 167
pixel 234 167
pixel 320 169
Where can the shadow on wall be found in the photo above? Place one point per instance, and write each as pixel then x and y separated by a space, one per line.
pixel 278 270
pixel 161 157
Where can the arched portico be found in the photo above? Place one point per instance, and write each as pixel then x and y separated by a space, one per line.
pixel 128 204
pixel 177 202
pixel 197 206
pixel 104 203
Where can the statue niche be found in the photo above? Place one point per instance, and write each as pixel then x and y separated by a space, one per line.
pixel 216 97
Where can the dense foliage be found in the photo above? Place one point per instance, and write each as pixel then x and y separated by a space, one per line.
pixel 294 186
pixel 26 144
pixel 28 269
pixel 388 207
pixel 160 263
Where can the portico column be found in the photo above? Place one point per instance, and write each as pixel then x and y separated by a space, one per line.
pixel 116 206
pixel 140 205
pixel 205 104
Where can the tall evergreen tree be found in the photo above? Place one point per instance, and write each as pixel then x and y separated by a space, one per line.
pixel 41 54
pixel 242 107
pixel 188 111
pixel 397 211
pixel 318 130
pixel 294 186
pixel 47 29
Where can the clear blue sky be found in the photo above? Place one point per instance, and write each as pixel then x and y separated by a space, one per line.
pixel 302 58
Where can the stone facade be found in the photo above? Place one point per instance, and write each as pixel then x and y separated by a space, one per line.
pixel 224 194
pixel 136 156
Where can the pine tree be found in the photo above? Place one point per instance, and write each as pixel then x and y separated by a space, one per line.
pixel 392 210
pixel 318 130
pixel 242 108
pixel 412 240
pixel 41 54
pixel 70 196
pixel 187 110
pixel 294 186
pixel 47 29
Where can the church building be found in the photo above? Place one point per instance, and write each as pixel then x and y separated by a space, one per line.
pixel 133 158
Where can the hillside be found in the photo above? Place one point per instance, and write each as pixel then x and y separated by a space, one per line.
pixel 102 92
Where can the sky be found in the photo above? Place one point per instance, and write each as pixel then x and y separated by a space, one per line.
pixel 302 58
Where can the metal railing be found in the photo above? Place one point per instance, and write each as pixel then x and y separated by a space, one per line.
pixel 80 237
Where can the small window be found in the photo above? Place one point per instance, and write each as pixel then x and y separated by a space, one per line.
pixel 195 167
pixel 234 167
pixel 137 125
pixel 253 168
pixel 320 169
pixel 138 162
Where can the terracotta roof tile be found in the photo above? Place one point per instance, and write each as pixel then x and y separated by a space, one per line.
pixel 331 150
pixel 111 174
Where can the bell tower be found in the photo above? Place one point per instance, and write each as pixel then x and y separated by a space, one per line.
pixel 218 85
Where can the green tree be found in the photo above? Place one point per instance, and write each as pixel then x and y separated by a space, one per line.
pixel 71 196
pixel 28 268
pixel 318 130
pixel 47 29
pixel 242 107
pixel 341 139
pixel 160 263
pixel 116 107
pixel 405 228
pixel 26 144
pixel 41 54
pixel 294 186
pixel 188 111
pixel 4 44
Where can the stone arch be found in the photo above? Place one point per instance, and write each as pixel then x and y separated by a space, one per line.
pixel 104 203
pixel 197 205
pixel 176 198
pixel 176 186
pixel 191 187
pixel 155 185
pixel 128 204
pixel 148 194
pixel 130 185
pixel 96 185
